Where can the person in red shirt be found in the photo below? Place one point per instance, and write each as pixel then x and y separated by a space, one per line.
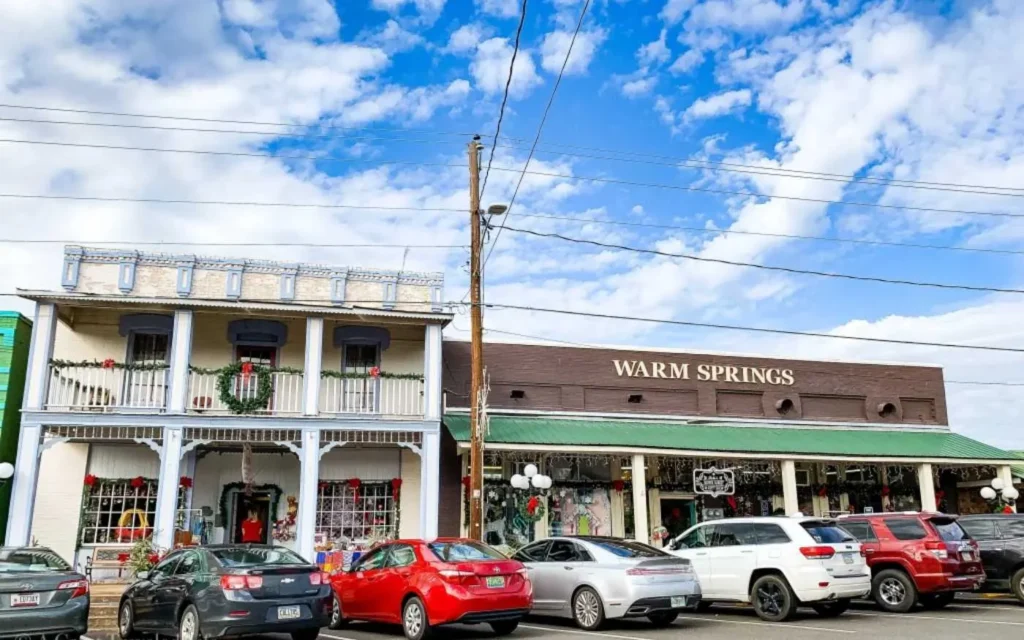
pixel 252 528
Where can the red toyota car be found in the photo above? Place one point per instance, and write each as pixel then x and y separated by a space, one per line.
pixel 422 585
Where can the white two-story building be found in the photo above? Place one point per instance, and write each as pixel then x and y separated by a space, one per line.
pixel 180 395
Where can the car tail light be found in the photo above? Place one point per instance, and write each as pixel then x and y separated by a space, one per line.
pixel 455 576
pixel 663 571
pixel 319 577
pixel 863 552
pixel 937 549
pixel 818 553
pixel 235 582
pixel 76 587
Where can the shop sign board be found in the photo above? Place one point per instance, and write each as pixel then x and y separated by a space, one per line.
pixel 714 482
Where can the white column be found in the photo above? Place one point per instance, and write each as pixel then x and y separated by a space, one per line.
pixel 309 478
pixel 430 483
pixel 641 529
pixel 616 503
pixel 40 350
pixel 181 353
pixel 789 496
pixel 1006 474
pixel 23 494
pixel 167 488
pixel 926 483
pixel 313 365
pixel 432 373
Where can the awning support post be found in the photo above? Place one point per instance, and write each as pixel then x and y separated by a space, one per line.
pixel 926 483
pixel 640 523
pixel 789 495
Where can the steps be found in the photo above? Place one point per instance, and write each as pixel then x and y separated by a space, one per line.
pixel 104 598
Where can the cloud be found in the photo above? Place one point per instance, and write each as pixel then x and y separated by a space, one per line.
pixel 688 61
pixel 718 104
pixel 428 7
pixel 491 64
pixel 393 38
pixel 499 8
pixel 674 10
pixel 640 86
pixel 556 45
pixel 655 52
pixel 466 38
pixel 746 15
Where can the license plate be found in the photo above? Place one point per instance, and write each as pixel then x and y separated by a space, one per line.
pixel 677 602
pixel 289 613
pixel 495 582
pixel 25 600
pixel 848 558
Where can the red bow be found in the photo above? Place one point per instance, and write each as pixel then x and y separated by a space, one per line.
pixel 374 372
pixel 467 481
pixel 532 504
pixel 185 482
pixel 90 480
pixel 732 502
pixel 618 485
pixel 885 491
pixel 138 482
pixel 823 492
pixel 108 363
pixel 355 483
pixel 396 484
pixel 246 370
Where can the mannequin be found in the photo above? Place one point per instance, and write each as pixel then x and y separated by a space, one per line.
pixel 252 528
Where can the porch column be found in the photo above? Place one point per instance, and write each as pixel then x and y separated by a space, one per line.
pixel 181 353
pixel 926 483
pixel 432 373
pixel 309 478
pixel 40 350
pixel 641 528
pixel 313 365
pixel 430 483
pixel 789 495
pixel 1005 473
pixel 167 488
pixel 23 493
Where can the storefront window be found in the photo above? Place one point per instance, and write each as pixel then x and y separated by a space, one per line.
pixel 118 511
pixel 580 470
pixel 357 514
pixel 579 511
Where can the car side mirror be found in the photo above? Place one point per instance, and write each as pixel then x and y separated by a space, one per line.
pixel 142 575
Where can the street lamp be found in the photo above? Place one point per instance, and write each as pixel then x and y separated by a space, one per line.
pixel 6 472
pixel 497 209
pixel 530 477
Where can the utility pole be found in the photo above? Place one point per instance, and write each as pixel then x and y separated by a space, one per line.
pixel 476 444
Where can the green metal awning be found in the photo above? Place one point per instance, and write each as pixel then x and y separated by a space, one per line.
pixel 729 438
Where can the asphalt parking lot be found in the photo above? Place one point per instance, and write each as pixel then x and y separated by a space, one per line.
pixel 961 620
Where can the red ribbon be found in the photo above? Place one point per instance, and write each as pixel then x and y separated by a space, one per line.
pixel 138 482
pixel 355 483
pixel 90 480
pixel 185 482
pixel 108 363
pixel 246 370
pixel 618 485
pixel 532 504
pixel 374 372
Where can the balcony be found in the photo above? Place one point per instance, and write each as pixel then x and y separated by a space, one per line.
pixel 285 397
pixel 398 397
pixel 106 387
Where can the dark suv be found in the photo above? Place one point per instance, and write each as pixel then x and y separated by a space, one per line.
pixel 1001 539
pixel 916 558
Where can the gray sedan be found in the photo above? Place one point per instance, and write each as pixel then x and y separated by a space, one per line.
pixel 590 578
pixel 41 595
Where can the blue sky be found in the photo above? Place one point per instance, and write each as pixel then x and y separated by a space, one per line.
pixel 921 91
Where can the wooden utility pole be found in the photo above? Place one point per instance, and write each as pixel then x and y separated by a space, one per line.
pixel 476 444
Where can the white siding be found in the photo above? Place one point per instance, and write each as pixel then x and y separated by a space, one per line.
pixel 59 498
pixel 409 523
pixel 123 461
pixel 343 463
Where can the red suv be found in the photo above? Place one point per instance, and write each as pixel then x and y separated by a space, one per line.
pixel 916 557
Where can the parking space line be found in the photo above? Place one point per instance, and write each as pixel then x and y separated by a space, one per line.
pixel 914 616
pixel 335 637
pixel 781 625
pixel 580 632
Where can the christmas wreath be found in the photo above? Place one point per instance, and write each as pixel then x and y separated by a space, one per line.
pixel 532 510
pixel 226 387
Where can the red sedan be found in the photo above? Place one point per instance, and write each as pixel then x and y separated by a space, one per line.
pixel 422 585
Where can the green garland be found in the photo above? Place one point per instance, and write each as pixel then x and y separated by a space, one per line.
pixel 275 498
pixel 107 364
pixel 226 388
pixel 345 375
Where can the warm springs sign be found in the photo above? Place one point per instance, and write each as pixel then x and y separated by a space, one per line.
pixel 703 372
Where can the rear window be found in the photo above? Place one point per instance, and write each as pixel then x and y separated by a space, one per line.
pixel 905 528
pixel 463 551
pixel 826 532
pixel 30 561
pixel 252 557
pixel 949 530
pixel 860 530
pixel 627 548
pixel 768 533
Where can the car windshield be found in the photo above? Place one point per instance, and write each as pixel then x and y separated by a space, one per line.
pixel 255 556
pixel 626 548
pixel 949 530
pixel 827 532
pixel 463 551
pixel 30 561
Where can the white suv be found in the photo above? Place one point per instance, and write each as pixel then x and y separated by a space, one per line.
pixel 776 564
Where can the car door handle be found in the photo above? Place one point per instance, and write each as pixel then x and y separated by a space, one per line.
pixel 702 553
pixel 746 551
pixel 567 568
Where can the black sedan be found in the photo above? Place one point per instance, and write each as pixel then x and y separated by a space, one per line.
pixel 40 594
pixel 1001 540
pixel 228 590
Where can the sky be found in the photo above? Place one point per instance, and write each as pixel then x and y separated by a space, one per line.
pixel 373 102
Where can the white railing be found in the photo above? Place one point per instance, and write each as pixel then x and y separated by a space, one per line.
pixel 399 397
pixel 78 388
pixel 286 397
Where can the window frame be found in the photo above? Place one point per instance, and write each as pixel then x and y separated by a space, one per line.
pixel 353 505
pixel 860 523
pixel 112 489
pixel 580 554
pixel 916 522
pixel 543 545
pixel 779 528
pixel 728 525
pixel 705 528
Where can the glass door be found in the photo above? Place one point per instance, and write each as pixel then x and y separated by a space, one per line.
pixel 147 388
pixel 360 395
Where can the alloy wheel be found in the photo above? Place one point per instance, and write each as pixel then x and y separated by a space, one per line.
pixel 125 620
pixel 188 626
pixel 413 619
pixel 336 612
pixel 769 597
pixel 892 591
pixel 587 608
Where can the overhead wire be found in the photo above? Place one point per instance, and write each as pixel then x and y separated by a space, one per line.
pixel 225 203
pixel 188 243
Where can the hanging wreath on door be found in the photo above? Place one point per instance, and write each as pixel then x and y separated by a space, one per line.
pixel 226 387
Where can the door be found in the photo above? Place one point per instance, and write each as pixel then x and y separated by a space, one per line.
pixel 694 546
pixel 393 584
pixel 243 527
pixel 147 388
pixel 261 355
pixel 357 596
pixel 145 597
pixel 733 559
pixel 863 531
pixel 534 558
pixel 566 561
pixel 677 515
pixel 174 589
pixel 360 394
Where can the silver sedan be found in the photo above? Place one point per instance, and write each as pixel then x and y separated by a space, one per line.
pixel 591 578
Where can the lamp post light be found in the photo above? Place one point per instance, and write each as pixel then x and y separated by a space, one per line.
pixel 6 472
pixel 1000 492
pixel 530 477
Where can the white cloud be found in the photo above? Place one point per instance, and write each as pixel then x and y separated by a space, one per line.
pixel 687 62
pixel 393 38
pixel 655 52
pixel 639 86
pixel 466 38
pixel 746 15
pixel 490 69
pixel 556 45
pixel 499 8
pixel 674 10
pixel 718 104
pixel 428 7
pixel 637 210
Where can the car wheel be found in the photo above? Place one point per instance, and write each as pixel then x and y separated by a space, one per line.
pixel 1017 585
pixel 306 634
pixel 832 609
pixel 126 621
pixel 587 610
pixel 414 620
pixel 663 618
pixel 337 620
pixel 937 600
pixel 504 627
pixel 773 599
pixel 188 624
pixel 894 591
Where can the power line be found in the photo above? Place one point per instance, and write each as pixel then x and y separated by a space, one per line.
pixel 504 97
pixel 187 243
pixel 226 203
pixel 788 236
pixel 729 327
pixel 751 265
pixel 540 129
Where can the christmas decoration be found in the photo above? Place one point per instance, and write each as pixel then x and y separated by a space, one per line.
pixel 142 557
pixel 109 363
pixel 886 491
pixel 396 486
pixel 138 482
pixel 226 387
pixel 90 480
pixel 355 483
pixel 618 485
pixel 106 364
pixel 374 372
pixel 185 482
pixel 284 529
pixel 532 510
pixel 346 375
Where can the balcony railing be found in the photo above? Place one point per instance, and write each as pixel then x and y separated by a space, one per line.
pixel 99 388
pixel 285 397
pixel 398 397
